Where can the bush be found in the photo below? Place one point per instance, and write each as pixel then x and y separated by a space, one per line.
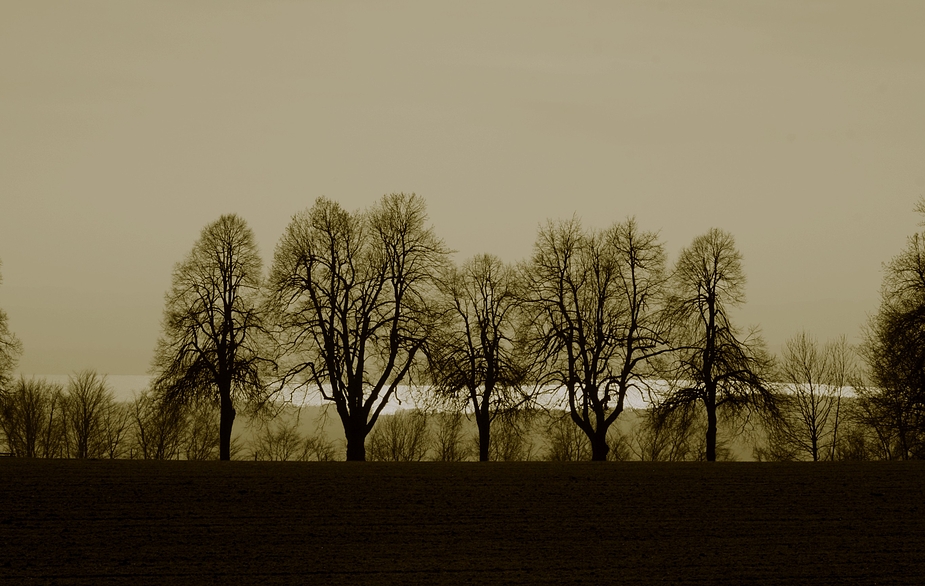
pixel 400 437
pixel 448 445
pixel 565 442
pixel 158 427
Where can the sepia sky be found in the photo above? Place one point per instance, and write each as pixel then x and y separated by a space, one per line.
pixel 125 127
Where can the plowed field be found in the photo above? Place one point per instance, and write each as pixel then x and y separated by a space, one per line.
pixel 104 522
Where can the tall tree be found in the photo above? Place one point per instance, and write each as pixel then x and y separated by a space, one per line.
pixel 10 350
pixel 212 328
pixel 894 349
pixel 472 354
pixel 594 301
pixel 714 364
pixel 349 296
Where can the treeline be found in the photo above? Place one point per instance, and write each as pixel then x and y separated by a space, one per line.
pixel 82 419
pixel 361 308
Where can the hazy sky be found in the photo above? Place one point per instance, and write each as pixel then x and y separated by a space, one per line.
pixel 125 127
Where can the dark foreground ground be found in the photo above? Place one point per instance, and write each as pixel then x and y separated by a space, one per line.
pixel 526 523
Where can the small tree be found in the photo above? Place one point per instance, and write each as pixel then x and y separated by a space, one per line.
pixel 318 449
pixel 86 405
pixel 667 435
pixel 116 430
pixel 512 436
pixel 713 364
pixel 400 437
pixel 349 294
pixel 448 444
pixel 158 426
pixel 565 442
pixel 212 329
pixel 279 440
pixel 201 432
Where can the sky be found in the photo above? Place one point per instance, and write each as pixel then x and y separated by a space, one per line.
pixel 126 127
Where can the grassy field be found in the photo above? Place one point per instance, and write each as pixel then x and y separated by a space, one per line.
pixel 99 522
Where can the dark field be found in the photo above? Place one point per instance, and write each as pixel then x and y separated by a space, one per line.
pixel 526 523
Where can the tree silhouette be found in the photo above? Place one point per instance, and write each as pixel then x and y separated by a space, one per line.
pixel 714 364
pixel 32 419
pixel 158 427
pixel 894 349
pixel 814 380
pixel 348 292
pixel 10 350
pixel 472 354
pixel 594 301
pixel 211 343
pixel 88 406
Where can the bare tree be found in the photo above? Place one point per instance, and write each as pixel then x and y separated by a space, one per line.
pixel 318 449
pixel 10 350
pixel 349 294
pixel 400 437
pixel 512 436
pixel 201 431
pixel 32 419
pixel 471 354
pixel 714 365
pixel 565 442
pixel 279 440
pixel 86 403
pixel 116 429
pixel 595 303
pixel 667 436
pixel 448 445
pixel 211 344
pixel 158 426
pixel 814 381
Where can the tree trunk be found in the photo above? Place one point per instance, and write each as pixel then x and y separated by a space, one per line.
pixel 599 447
pixel 355 434
pixel 356 446
pixel 711 433
pixel 484 425
pixel 225 424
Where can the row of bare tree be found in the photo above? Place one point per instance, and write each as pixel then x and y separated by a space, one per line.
pixel 357 307
pixel 82 420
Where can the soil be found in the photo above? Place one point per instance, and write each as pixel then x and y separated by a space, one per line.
pixel 143 522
